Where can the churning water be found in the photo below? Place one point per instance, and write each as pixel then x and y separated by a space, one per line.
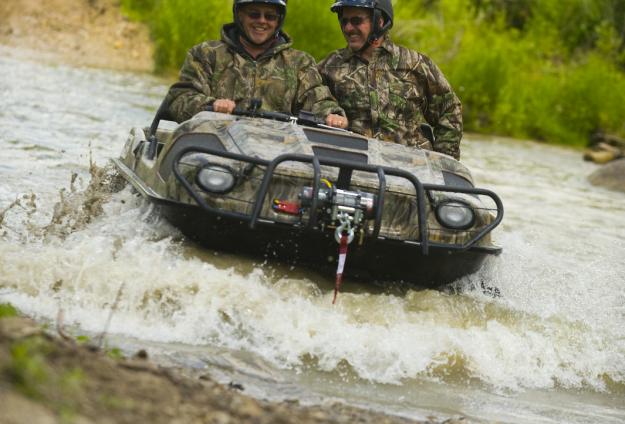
pixel 550 348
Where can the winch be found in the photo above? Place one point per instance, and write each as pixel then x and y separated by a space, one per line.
pixel 345 207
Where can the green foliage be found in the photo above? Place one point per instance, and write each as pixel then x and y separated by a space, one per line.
pixel 177 25
pixel 574 21
pixel 137 9
pixel 516 13
pixel 110 401
pixel 32 373
pixel 82 339
pixel 525 72
pixel 115 353
pixel 72 380
pixel 564 104
pixel 546 69
pixel 7 310
pixel 180 24
pixel 28 369
pixel 313 27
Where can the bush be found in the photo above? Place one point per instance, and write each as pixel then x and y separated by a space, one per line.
pixel 7 310
pixel 313 27
pixel 177 25
pixel 522 72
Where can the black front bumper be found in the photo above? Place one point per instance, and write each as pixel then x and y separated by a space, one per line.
pixel 380 260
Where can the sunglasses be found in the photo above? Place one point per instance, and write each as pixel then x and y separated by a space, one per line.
pixel 354 20
pixel 255 15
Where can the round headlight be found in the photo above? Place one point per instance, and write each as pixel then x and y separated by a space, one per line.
pixel 455 215
pixel 215 179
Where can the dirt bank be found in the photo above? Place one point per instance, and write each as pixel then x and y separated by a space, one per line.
pixel 79 32
pixel 48 379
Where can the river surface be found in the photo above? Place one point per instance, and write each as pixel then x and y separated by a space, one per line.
pixel 549 349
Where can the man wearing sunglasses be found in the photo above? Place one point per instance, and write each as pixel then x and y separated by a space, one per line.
pixel 389 91
pixel 253 59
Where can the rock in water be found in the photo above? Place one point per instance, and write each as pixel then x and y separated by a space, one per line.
pixel 610 176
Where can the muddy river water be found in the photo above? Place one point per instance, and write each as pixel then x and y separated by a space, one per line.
pixel 549 349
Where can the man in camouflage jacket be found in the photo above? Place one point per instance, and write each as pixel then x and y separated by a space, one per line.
pixel 253 59
pixel 389 91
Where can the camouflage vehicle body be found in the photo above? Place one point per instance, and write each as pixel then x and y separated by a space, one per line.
pixel 385 196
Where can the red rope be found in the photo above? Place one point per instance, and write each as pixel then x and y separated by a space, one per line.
pixel 341 266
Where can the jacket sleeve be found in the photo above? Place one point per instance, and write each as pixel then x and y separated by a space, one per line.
pixel 443 110
pixel 312 94
pixel 192 93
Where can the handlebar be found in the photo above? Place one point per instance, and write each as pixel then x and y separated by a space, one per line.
pixel 277 116
pixel 304 117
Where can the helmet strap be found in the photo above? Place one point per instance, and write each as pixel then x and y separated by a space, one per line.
pixel 377 30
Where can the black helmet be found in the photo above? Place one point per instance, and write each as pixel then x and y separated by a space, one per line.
pixel 281 10
pixel 381 9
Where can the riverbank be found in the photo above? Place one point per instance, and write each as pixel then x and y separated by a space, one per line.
pixel 49 377
pixel 91 33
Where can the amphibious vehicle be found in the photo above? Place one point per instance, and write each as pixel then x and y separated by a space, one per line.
pixel 290 188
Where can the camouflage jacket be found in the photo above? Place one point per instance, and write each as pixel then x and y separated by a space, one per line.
pixel 285 79
pixel 393 94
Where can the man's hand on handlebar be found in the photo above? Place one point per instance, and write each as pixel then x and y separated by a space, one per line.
pixel 224 106
pixel 336 121
pixel 229 106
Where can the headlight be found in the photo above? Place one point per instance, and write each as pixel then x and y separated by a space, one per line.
pixel 455 215
pixel 215 178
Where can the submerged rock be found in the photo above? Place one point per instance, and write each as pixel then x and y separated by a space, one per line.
pixel 610 176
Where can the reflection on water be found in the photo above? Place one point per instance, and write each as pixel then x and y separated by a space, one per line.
pixel 550 348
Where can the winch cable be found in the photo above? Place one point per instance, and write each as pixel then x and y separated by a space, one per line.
pixel 343 235
pixel 341 265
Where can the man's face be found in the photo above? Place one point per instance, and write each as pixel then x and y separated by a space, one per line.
pixel 259 21
pixel 356 26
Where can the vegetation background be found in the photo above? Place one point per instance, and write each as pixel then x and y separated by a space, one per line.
pixel 550 70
